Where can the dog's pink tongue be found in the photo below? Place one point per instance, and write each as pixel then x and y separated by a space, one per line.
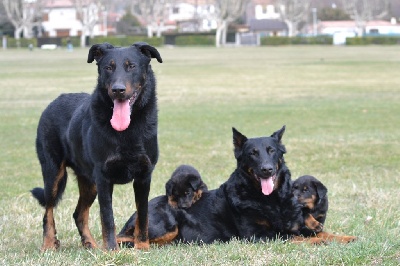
pixel 121 115
pixel 267 186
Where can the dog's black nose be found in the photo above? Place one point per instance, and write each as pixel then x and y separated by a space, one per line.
pixel 267 169
pixel 118 90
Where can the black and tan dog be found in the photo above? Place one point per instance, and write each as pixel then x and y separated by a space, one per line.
pixel 106 138
pixel 183 189
pixel 255 203
pixel 312 195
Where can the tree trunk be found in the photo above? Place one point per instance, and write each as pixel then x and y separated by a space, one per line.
pixel 218 34
pixel 224 32
pixel 149 31
pixel 290 28
pixel 17 35
pixel 159 28
pixel 83 39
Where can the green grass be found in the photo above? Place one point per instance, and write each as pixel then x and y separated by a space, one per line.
pixel 341 108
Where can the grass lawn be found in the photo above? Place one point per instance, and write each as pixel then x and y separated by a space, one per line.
pixel 341 108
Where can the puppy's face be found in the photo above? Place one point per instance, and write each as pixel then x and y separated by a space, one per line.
pixel 308 191
pixel 184 192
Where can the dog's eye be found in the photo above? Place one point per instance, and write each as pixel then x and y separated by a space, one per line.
pixel 305 189
pixel 131 67
pixel 254 152
pixel 270 150
pixel 108 68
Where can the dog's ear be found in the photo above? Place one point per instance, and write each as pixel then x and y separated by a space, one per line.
pixel 97 51
pixel 278 134
pixel 168 187
pixel 321 189
pixel 148 50
pixel 238 141
pixel 195 182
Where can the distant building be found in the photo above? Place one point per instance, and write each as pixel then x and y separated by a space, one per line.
pixel 349 26
pixel 61 19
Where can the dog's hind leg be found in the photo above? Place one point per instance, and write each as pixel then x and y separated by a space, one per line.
pixel 87 194
pixel 55 182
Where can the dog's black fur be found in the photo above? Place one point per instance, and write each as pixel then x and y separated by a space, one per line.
pixel 183 189
pixel 312 195
pixel 103 147
pixel 244 207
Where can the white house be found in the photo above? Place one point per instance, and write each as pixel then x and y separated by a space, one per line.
pixel 61 19
pixel 349 26
pixel 189 15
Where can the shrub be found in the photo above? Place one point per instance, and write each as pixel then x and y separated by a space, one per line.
pixel 24 43
pixel 368 40
pixel 309 40
pixel 127 40
pixel 190 40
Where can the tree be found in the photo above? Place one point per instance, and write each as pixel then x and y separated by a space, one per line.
pixel 329 13
pixel 24 15
pixel 227 11
pixel 362 11
pixel 88 14
pixel 128 24
pixel 293 12
pixel 152 13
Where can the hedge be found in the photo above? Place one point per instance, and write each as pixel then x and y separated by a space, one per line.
pixel 312 40
pixel 24 43
pixel 127 40
pixel 190 40
pixel 367 40
pixel 76 41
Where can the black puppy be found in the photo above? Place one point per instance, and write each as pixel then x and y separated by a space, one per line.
pixel 255 203
pixel 312 195
pixel 106 138
pixel 183 189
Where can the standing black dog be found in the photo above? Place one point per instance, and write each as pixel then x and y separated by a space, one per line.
pixel 255 203
pixel 183 189
pixel 107 138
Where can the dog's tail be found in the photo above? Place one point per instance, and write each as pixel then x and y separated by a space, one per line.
pixel 38 193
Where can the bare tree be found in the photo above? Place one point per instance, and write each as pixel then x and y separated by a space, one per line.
pixel 362 11
pixel 23 14
pixel 152 13
pixel 227 11
pixel 293 12
pixel 88 14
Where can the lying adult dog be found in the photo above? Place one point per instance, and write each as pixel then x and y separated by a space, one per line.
pixel 106 138
pixel 183 189
pixel 255 203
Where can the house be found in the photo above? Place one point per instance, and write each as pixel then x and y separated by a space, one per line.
pixel 61 19
pixel 191 16
pixel 340 30
pixel 371 27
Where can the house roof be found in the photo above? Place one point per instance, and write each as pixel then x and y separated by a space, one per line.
pixel 58 3
pixel 267 25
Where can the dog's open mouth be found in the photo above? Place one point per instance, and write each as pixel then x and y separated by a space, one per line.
pixel 121 117
pixel 267 184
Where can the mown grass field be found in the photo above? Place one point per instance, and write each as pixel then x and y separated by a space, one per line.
pixel 341 107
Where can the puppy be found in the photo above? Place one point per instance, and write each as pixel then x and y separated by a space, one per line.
pixel 312 195
pixel 183 189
